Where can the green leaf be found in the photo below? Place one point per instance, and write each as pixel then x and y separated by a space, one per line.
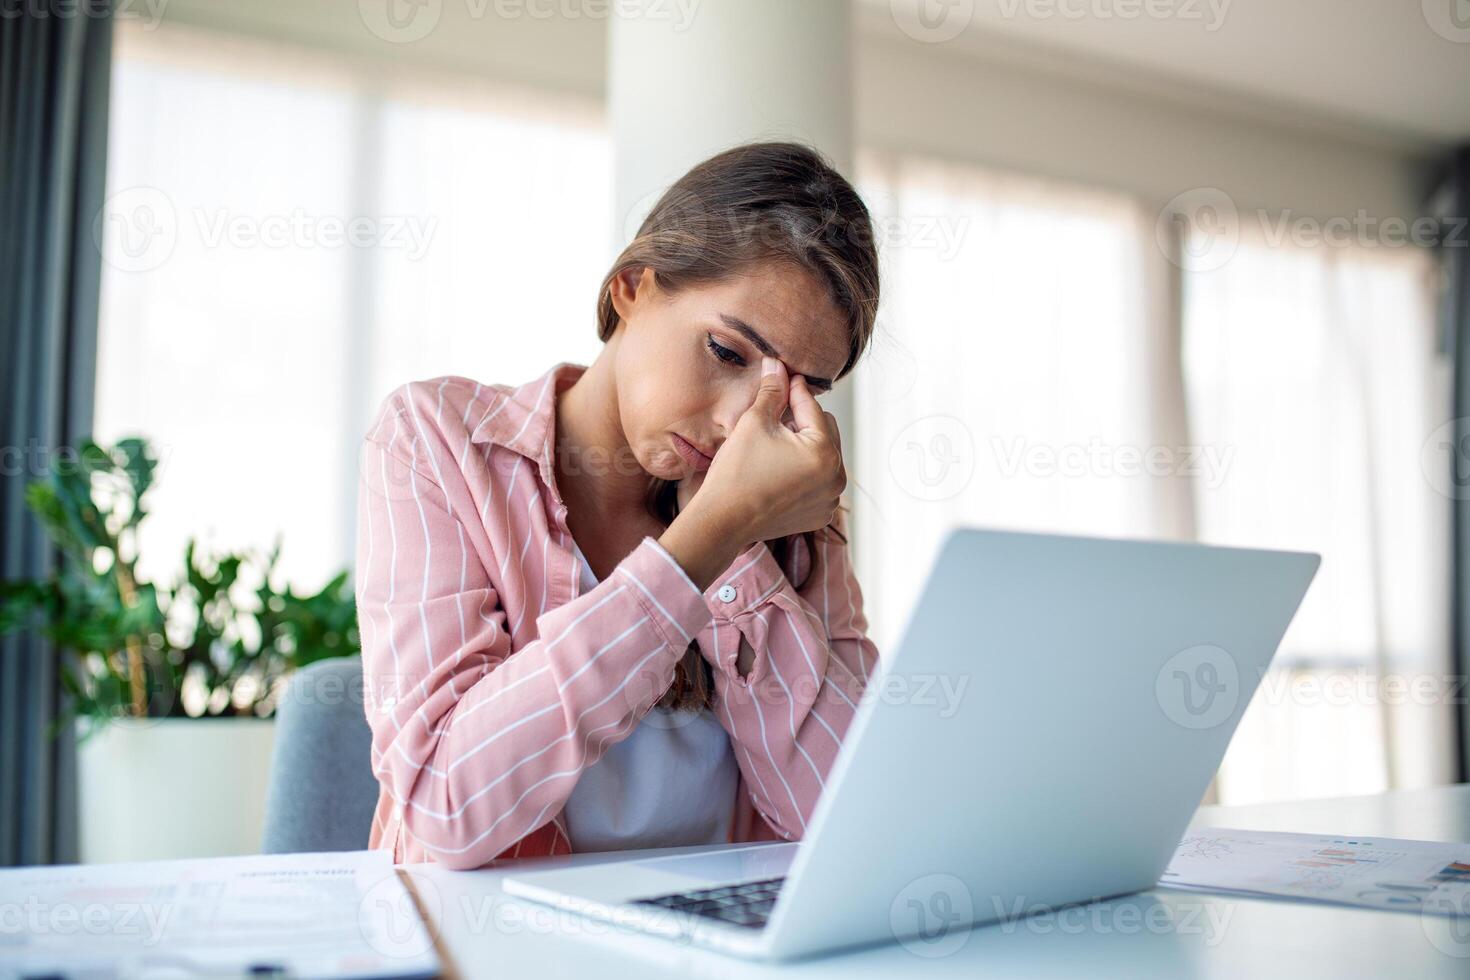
pixel 199 627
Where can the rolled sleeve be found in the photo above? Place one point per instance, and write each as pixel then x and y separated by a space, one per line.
pixel 736 600
pixel 752 579
pixel 666 592
pixel 809 667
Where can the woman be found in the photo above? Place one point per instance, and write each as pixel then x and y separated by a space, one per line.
pixel 614 606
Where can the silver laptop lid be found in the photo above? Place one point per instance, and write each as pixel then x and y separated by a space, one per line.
pixel 1041 735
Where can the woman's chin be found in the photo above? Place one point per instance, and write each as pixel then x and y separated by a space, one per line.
pixel 668 466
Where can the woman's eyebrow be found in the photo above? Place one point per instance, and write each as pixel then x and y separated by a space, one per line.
pixel 735 323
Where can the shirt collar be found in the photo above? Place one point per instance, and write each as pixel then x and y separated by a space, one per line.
pixel 523 418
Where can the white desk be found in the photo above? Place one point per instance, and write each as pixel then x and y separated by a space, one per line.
pixel 484 933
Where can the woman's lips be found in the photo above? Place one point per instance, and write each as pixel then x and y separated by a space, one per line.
pixel 692 456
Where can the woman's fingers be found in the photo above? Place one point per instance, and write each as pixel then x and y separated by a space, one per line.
pixel 817 416
pixel 804 408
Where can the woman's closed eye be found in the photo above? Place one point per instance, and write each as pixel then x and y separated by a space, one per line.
pixel 724 353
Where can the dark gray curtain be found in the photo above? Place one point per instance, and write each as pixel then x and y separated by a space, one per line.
pixel 1452 206
pixel 55 63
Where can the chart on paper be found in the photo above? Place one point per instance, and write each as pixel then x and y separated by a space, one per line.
pixel 1374 872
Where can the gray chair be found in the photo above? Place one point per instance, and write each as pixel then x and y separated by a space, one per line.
pixel 322 788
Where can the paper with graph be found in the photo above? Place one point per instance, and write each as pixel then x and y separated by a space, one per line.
pixel 1375 872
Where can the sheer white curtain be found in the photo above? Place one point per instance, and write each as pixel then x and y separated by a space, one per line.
pixel 289 235
pixel 1034 347
pixel 1019 374
pixel 1316 364
pixel 522 192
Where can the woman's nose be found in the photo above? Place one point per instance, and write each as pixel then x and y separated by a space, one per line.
pixel 731 406
pixel 737 403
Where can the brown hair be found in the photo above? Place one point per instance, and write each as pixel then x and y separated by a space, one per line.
pixel 749 204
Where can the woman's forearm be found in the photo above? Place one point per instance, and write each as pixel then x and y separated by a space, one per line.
pixel 703 542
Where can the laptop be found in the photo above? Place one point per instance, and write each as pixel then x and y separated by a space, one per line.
pixel 1078 695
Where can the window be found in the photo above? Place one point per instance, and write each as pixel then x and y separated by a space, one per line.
pixel 1030 350
pixel 289 235
pixel 1012 381
pixel 1316 367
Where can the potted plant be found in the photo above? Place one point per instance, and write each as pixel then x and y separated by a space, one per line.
pixel 171 686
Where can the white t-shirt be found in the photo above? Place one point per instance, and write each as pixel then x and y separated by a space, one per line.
pixel 671 782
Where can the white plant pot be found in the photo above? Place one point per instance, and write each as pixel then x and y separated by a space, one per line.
pixel 173 788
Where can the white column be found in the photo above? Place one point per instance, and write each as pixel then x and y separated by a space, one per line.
pixel 689 78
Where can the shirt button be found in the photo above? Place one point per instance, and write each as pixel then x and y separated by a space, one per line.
pixel 726 593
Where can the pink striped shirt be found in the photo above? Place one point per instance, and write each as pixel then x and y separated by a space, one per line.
pixel 492 680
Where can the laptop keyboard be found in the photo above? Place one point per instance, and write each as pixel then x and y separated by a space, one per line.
pixel 746 904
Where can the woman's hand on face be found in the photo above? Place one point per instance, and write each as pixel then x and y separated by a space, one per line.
pixel 772 478
pixel 690 485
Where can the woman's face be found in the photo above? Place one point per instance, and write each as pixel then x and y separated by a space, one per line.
pixel 686 365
